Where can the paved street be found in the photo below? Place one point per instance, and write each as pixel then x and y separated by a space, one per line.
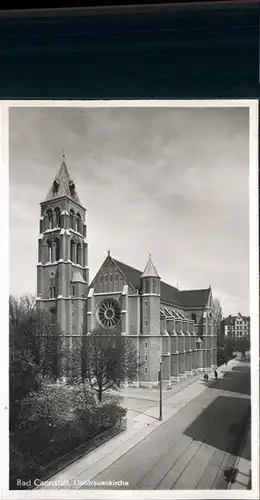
pixel 194 448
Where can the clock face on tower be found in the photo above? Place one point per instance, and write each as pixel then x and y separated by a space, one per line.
pixel 108 313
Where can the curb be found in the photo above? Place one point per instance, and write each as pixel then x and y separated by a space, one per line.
pixel 235 468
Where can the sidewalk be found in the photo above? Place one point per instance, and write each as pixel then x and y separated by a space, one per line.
pixel 243 465
pixel 174 399
pixel 139 425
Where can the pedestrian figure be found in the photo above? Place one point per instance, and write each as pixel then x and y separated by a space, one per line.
pixel 206 377
pixel 216 374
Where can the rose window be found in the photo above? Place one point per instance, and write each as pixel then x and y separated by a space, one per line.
pixel 108 313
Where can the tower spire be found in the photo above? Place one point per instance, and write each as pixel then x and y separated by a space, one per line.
pixel 63 184
pixel 150 270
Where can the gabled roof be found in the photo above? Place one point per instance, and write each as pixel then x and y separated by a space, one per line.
pixel 169 293
pixel 64 186
pixel 132 275
pixel 231 319
pixel 150 270
pixel 195 298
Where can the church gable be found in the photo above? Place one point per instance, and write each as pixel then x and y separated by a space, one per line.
pixel 110 278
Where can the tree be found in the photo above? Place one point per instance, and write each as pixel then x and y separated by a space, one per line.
pixel 32 350
pixel 217 317
pixel 109 360
pixel 243 345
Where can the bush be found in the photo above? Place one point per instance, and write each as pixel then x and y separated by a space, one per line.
pixel 50 418
pixel 22 465
pixel 54 421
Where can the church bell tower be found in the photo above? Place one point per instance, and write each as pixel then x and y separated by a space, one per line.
pixel 62 270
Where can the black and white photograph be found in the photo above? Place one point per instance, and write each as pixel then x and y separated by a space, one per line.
pixel 131 314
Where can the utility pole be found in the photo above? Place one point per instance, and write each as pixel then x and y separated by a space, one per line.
pixel 160 386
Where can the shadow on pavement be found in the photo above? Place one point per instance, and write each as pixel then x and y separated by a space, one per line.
pixel 227 384
pixel 222 424
pixel 242 369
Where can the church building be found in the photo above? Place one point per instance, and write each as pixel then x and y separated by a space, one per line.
pixel 166 325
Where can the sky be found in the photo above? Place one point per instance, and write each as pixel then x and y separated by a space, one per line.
pixel 173 182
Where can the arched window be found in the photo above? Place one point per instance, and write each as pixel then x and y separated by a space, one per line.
pixel 57 216
pixel 49 251
pixel 57 249
pixel 72 217
pixel 154 286
pixel 50 219
pixel 78 257
pixel 194 318
pixel 72 188
pixel 72 250
pixel 78 223
pixel 55 186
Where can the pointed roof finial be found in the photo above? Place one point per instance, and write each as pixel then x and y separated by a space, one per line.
pixel 63 185
pixel 63 154
pixel 150 270
pixel 108 253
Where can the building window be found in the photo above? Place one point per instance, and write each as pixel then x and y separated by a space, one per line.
pixel 55 186
pixel 111 278
pixel 78 223
pixel 146 345
pixel 146 322
pixel 108 313
pixel 145 371
pixel 145 357
pixel 116 277
pixel 194 318
pixel 72 219
pixel 105 278
pixel 50 219
pixel 73 291
pixel 72 247
pixel 52 292
pixel 57 242
pixel 57 217
pixel 53 315
pixel 146 303
pixel 78 257
pixel 101 278
pixel 49 251
pixel 154 286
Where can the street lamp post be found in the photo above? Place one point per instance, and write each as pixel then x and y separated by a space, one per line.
pixel 160 387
